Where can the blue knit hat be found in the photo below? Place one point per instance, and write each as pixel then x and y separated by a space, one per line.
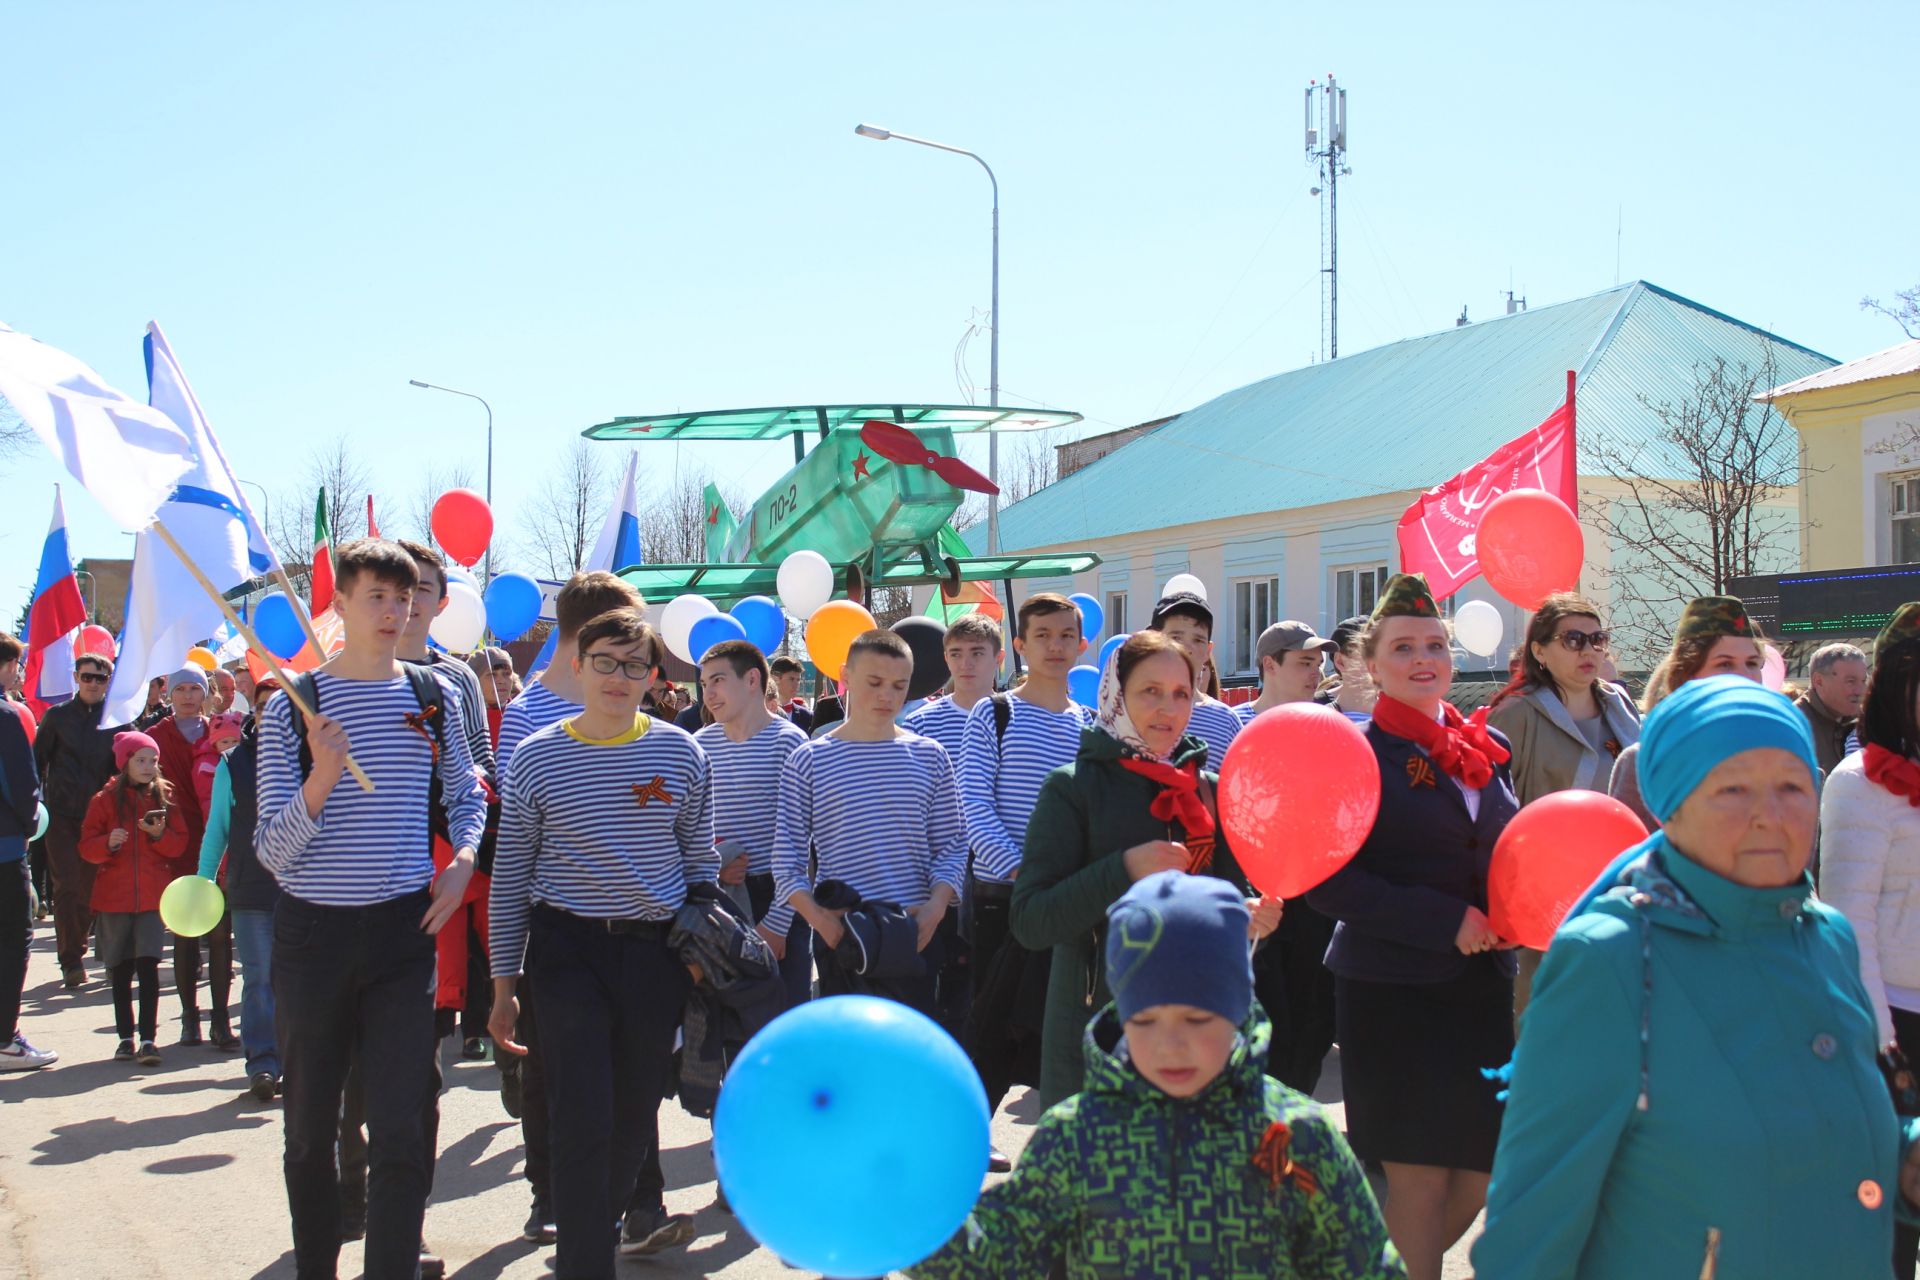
pixel 1703 723
pixel 1179 939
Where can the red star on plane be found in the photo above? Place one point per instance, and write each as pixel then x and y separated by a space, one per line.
pixel 713 516
pixel 860 467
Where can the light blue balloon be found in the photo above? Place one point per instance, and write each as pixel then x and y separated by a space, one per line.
pixel 1106 650
pixel 41 821
pixel 765 624
pixel 1093 619
pixel 713 629
pixel 513 605
pixel 888 1100
pixel 276 620
pixel 1083 685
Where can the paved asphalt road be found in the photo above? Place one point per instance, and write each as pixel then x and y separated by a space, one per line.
pixel 108 1169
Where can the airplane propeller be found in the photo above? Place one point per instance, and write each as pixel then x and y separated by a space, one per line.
pixel 898 445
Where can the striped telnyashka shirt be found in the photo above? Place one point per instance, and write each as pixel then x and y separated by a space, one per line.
pixel 1214 724
pixel 366 846
pixel 943 720
pixel 746 791
pixel 1000 777
pixel 610 830
pixel 882 816
pixel 535 709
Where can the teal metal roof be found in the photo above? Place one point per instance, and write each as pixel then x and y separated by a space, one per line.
pixel 1404 416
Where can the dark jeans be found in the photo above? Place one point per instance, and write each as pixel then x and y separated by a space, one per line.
pixel 347 982
pixel 1906 1240
pixel 16 938
pixel 609 1006
pixel 72 877
pixel 796 970
pixel 536 1128
pixel 186 970
pixel 989 928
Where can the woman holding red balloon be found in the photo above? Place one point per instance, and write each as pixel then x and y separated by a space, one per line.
pixel 1424 986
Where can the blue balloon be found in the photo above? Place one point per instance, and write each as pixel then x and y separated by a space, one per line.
pixel 1083 685
pixel 513 605
pixel 1092 617
pixel 276 620
pixel 1106 650
pixel 712 630
pixel 765 624
pixel 883 1095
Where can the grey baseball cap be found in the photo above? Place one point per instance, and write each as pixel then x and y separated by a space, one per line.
pixel 1285 637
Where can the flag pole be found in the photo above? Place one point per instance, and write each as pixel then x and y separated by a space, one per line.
pixel 306 623
pixel 253 641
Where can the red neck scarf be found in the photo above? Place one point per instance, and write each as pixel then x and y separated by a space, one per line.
pixel 1463 748
pixel 1179 801
pixel 1896 773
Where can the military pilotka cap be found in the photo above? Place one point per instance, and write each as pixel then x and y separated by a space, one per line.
pixel 1712 617
pixel 1903 626
pixel 1290 637
pixel 1406 596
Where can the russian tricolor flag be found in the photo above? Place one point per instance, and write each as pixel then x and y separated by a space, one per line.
pixel 57 611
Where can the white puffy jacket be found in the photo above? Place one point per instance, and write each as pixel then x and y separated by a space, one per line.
pixel 1870 872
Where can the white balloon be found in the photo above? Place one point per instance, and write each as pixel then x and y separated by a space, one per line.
pixel 805 582
pixel 1184 582
pixel 462 625
pixel 1478 627
pixel 677 619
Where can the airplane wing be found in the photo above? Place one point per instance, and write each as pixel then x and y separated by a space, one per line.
pixel 729 582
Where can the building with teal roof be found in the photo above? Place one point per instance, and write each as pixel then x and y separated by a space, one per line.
pixel 1283 495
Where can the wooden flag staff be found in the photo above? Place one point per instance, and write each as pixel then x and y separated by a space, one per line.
pixel 253 641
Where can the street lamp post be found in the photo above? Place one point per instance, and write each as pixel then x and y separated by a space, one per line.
pixel 993 318
pixel 433 386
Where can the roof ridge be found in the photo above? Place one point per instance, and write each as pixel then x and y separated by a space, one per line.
pixel 1704 309
pixel 1634 291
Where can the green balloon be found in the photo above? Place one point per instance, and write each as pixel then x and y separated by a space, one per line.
pixel 192 906
pixel 41 820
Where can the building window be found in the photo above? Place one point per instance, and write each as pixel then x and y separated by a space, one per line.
pixel 1356 589
pixel 1903 512
pixel 1256 602
pixel 1116 613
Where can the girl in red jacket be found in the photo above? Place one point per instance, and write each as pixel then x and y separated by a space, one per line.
pixel 135 834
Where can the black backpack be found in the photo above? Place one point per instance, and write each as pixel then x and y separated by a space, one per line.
pixel 427 691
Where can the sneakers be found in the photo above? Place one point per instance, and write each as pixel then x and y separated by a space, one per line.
pixel 539 1228
pixel 149 1055
pixel 74 978
pixel 125 1052
pixel 510 1084
pixel 998 1161
pixel 654 1231
pixel 21 1056
pixel 263 1086
pixel 474 1049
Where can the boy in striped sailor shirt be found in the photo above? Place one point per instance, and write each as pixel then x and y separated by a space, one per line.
pixel 607 818
pixel 1185 617
pixel 748 746
pixel 353 929
pixel 876 806
pixel 972 651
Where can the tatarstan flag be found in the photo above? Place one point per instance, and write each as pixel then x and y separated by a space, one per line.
pixel 320 578
pixel 972 597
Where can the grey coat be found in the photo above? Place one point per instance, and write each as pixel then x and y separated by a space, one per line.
pixel 1550 753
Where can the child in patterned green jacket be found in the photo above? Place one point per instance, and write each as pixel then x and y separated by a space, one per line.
pixel 1181 1159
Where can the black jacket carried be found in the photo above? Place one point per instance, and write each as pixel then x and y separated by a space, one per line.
pixel 249 886
pixel 739 992
pixel 75 754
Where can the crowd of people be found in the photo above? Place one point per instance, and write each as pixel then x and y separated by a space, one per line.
pixel 607 890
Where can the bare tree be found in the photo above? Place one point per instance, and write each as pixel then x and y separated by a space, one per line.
pixel 1904 310
pixel 439 477
pixel 343 474
pixel 1028 467
pixel 15 435
pixel 1697 503
pixel 564 518
pixel 673 522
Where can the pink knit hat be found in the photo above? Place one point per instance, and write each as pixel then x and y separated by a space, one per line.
pixel 125 744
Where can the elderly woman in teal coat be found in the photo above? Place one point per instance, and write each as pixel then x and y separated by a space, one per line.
pixel 1696 1091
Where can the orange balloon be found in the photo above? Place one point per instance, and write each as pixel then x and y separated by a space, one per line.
pixel 832 630
pixel 1548 856
pixel 202 657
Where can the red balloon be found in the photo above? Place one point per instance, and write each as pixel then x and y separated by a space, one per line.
pixel 463 525
pixel 1299 791
pixel 95 640
pixel 1548 857
pixel 1529 545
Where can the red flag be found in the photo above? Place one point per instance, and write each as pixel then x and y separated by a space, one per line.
pixel 373 530
pixel 320 586
pixel 1437 531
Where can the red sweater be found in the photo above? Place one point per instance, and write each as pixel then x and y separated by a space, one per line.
pixel 132 877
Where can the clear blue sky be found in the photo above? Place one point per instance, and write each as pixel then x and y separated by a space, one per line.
pixel 581 210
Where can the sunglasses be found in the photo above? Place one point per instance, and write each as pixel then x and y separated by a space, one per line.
pixel 606 664
pixel 1578 640
pixel 91 677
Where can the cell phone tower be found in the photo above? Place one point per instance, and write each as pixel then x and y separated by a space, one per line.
pixel 1326 123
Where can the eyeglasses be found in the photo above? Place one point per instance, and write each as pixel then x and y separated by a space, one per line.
pixel 90 677
pixel 1578 640
pixel 606 664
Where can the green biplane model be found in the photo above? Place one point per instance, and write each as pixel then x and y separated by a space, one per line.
pixel 875 497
